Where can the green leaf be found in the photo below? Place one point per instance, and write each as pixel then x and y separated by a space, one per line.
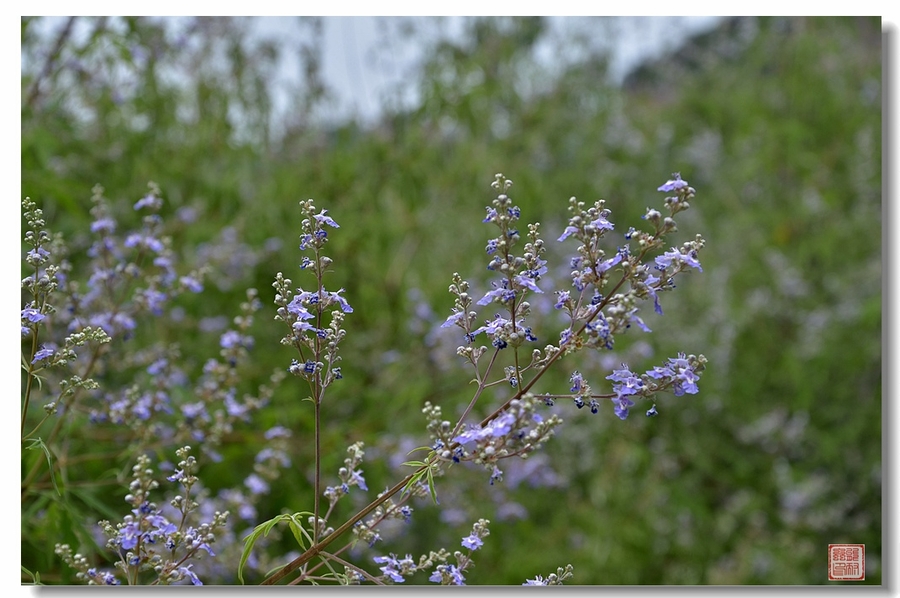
pixel 263 529
pixel 35 577
pixel 36 443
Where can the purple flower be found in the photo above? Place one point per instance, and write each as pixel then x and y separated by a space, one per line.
pixel 502 294
pixel 621 406
pixel 668 258
pixel 230 339
pixel 356 478
pixel 323 218
pixel 277 432
pixel 628 383
pixel 601 223
pixel 537 581
pixel 32 315
pixel 472 542
pixel 577 381
pixel 155 301
pixel 129 534
pixel 335 297
pixel 256 484
pixel 191 284
pixel 391 569
pixel 148 201
pixel 104 225
pixel 186 572
pixel 686 378
pixel 498 427
pixel 527 282
pixel 613 261
pixel 673 184
pixel 194 410
pixel 651 290
pixel 454 318
pixel 637 320
pixel 454 575
pixel 570 230
pixel 43 353
pixel 147 241
pixel 38 255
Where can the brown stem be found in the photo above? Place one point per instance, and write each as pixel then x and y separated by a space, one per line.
pixel 317 548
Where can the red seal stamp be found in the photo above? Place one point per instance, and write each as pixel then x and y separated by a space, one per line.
pixel 846 562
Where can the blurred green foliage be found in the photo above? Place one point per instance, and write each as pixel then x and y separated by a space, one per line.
pixel 775 121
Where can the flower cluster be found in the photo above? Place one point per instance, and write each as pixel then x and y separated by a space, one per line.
pixel 148 544
pixel 134 275
pixel 397 570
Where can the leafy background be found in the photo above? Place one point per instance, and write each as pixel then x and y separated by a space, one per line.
pixel 775 121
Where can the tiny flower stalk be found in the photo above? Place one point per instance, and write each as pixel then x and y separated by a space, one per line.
pixel 304 313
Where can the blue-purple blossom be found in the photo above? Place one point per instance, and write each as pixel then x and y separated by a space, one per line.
pixel 613 261
pixel 186 572
pixel 37 255
pixel 493 429
pixel 453 319
pixel 32 315
pixel 192 411
pixel 626 384
pixel 577 382
pixel 357 478
pixel 537 581
pixel 104 225
pixel 323 218
pixel 149 201
pixel 570 230
pixel 106 577
pixel 146 241
pixel 472 542
pixel 502 294
pixel 651 290
pixel 256 484
pixel 305 241
pixel 491 327
pixel 527 282
pixel 633 317
pixel 335 297
pixel 191 284
pixel 277 432
pixel 685 377
pixel 230 339
pixel 668 258
pixel 452 571
pixel 601 223
pixel 42 353
pixel 193 542
pixel 155 300
pixel 273 454
pixel 393 567
pixel 673 184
